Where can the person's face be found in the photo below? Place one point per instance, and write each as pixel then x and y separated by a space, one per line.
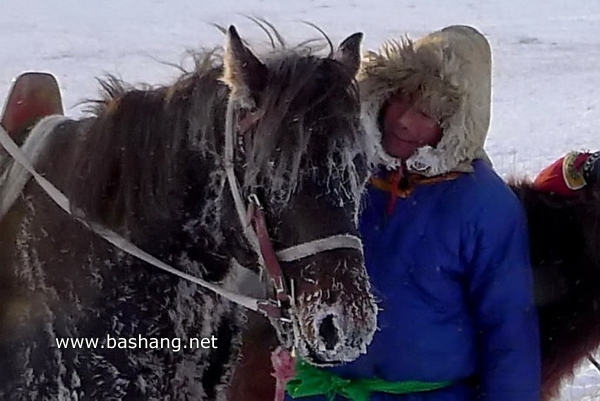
pixel 405 128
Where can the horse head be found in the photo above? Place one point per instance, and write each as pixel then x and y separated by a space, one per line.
pixel 303 152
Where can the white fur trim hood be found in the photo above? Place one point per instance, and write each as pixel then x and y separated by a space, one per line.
pixel 451 69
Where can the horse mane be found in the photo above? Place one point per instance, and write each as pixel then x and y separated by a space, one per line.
pixel 564 234
pixel 127 164
pixel 146 143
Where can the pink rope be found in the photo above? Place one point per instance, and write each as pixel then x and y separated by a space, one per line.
pixel 283 370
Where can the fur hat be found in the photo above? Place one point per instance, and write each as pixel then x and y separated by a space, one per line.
pixel 451 70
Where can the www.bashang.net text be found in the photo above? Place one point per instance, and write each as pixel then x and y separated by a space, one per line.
pixel 139 342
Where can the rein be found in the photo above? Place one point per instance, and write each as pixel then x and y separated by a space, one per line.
pixel 254 228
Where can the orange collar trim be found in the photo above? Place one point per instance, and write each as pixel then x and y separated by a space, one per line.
pixel 409 183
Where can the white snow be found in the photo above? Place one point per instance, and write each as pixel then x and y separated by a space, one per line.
pixel 546 59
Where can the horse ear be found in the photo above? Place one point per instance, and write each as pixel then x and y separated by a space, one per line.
pixel 348 53
pixel 244 73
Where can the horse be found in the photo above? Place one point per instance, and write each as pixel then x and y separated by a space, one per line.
pixel 564 237
pixel 168 169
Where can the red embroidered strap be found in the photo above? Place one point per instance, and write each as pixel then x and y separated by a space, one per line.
pixel 565 176
pixel 269 256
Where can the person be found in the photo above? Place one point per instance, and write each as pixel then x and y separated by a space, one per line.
pixel 571 173
pixel 445 239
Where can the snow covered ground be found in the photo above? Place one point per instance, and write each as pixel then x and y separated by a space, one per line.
pixel 546 59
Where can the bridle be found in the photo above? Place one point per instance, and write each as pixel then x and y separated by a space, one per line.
pixel 278 310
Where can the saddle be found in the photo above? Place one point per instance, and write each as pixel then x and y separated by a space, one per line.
pixel 33 96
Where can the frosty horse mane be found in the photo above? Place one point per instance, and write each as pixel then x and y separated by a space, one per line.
pixel 149 165
pixel 564 235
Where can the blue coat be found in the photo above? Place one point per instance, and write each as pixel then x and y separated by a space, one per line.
pixel 451 269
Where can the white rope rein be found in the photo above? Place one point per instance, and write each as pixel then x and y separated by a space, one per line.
pixel 63 202
pixel 287 255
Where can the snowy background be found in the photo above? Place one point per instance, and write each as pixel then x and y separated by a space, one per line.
pixel 546 98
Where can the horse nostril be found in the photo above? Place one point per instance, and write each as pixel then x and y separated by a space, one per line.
pixel 328 332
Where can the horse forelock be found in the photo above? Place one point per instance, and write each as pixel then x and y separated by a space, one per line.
pixel 308 129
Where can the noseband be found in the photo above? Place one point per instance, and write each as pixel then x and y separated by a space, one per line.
pixel 278 310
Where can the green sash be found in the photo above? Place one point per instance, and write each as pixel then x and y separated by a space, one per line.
pixel 311 381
